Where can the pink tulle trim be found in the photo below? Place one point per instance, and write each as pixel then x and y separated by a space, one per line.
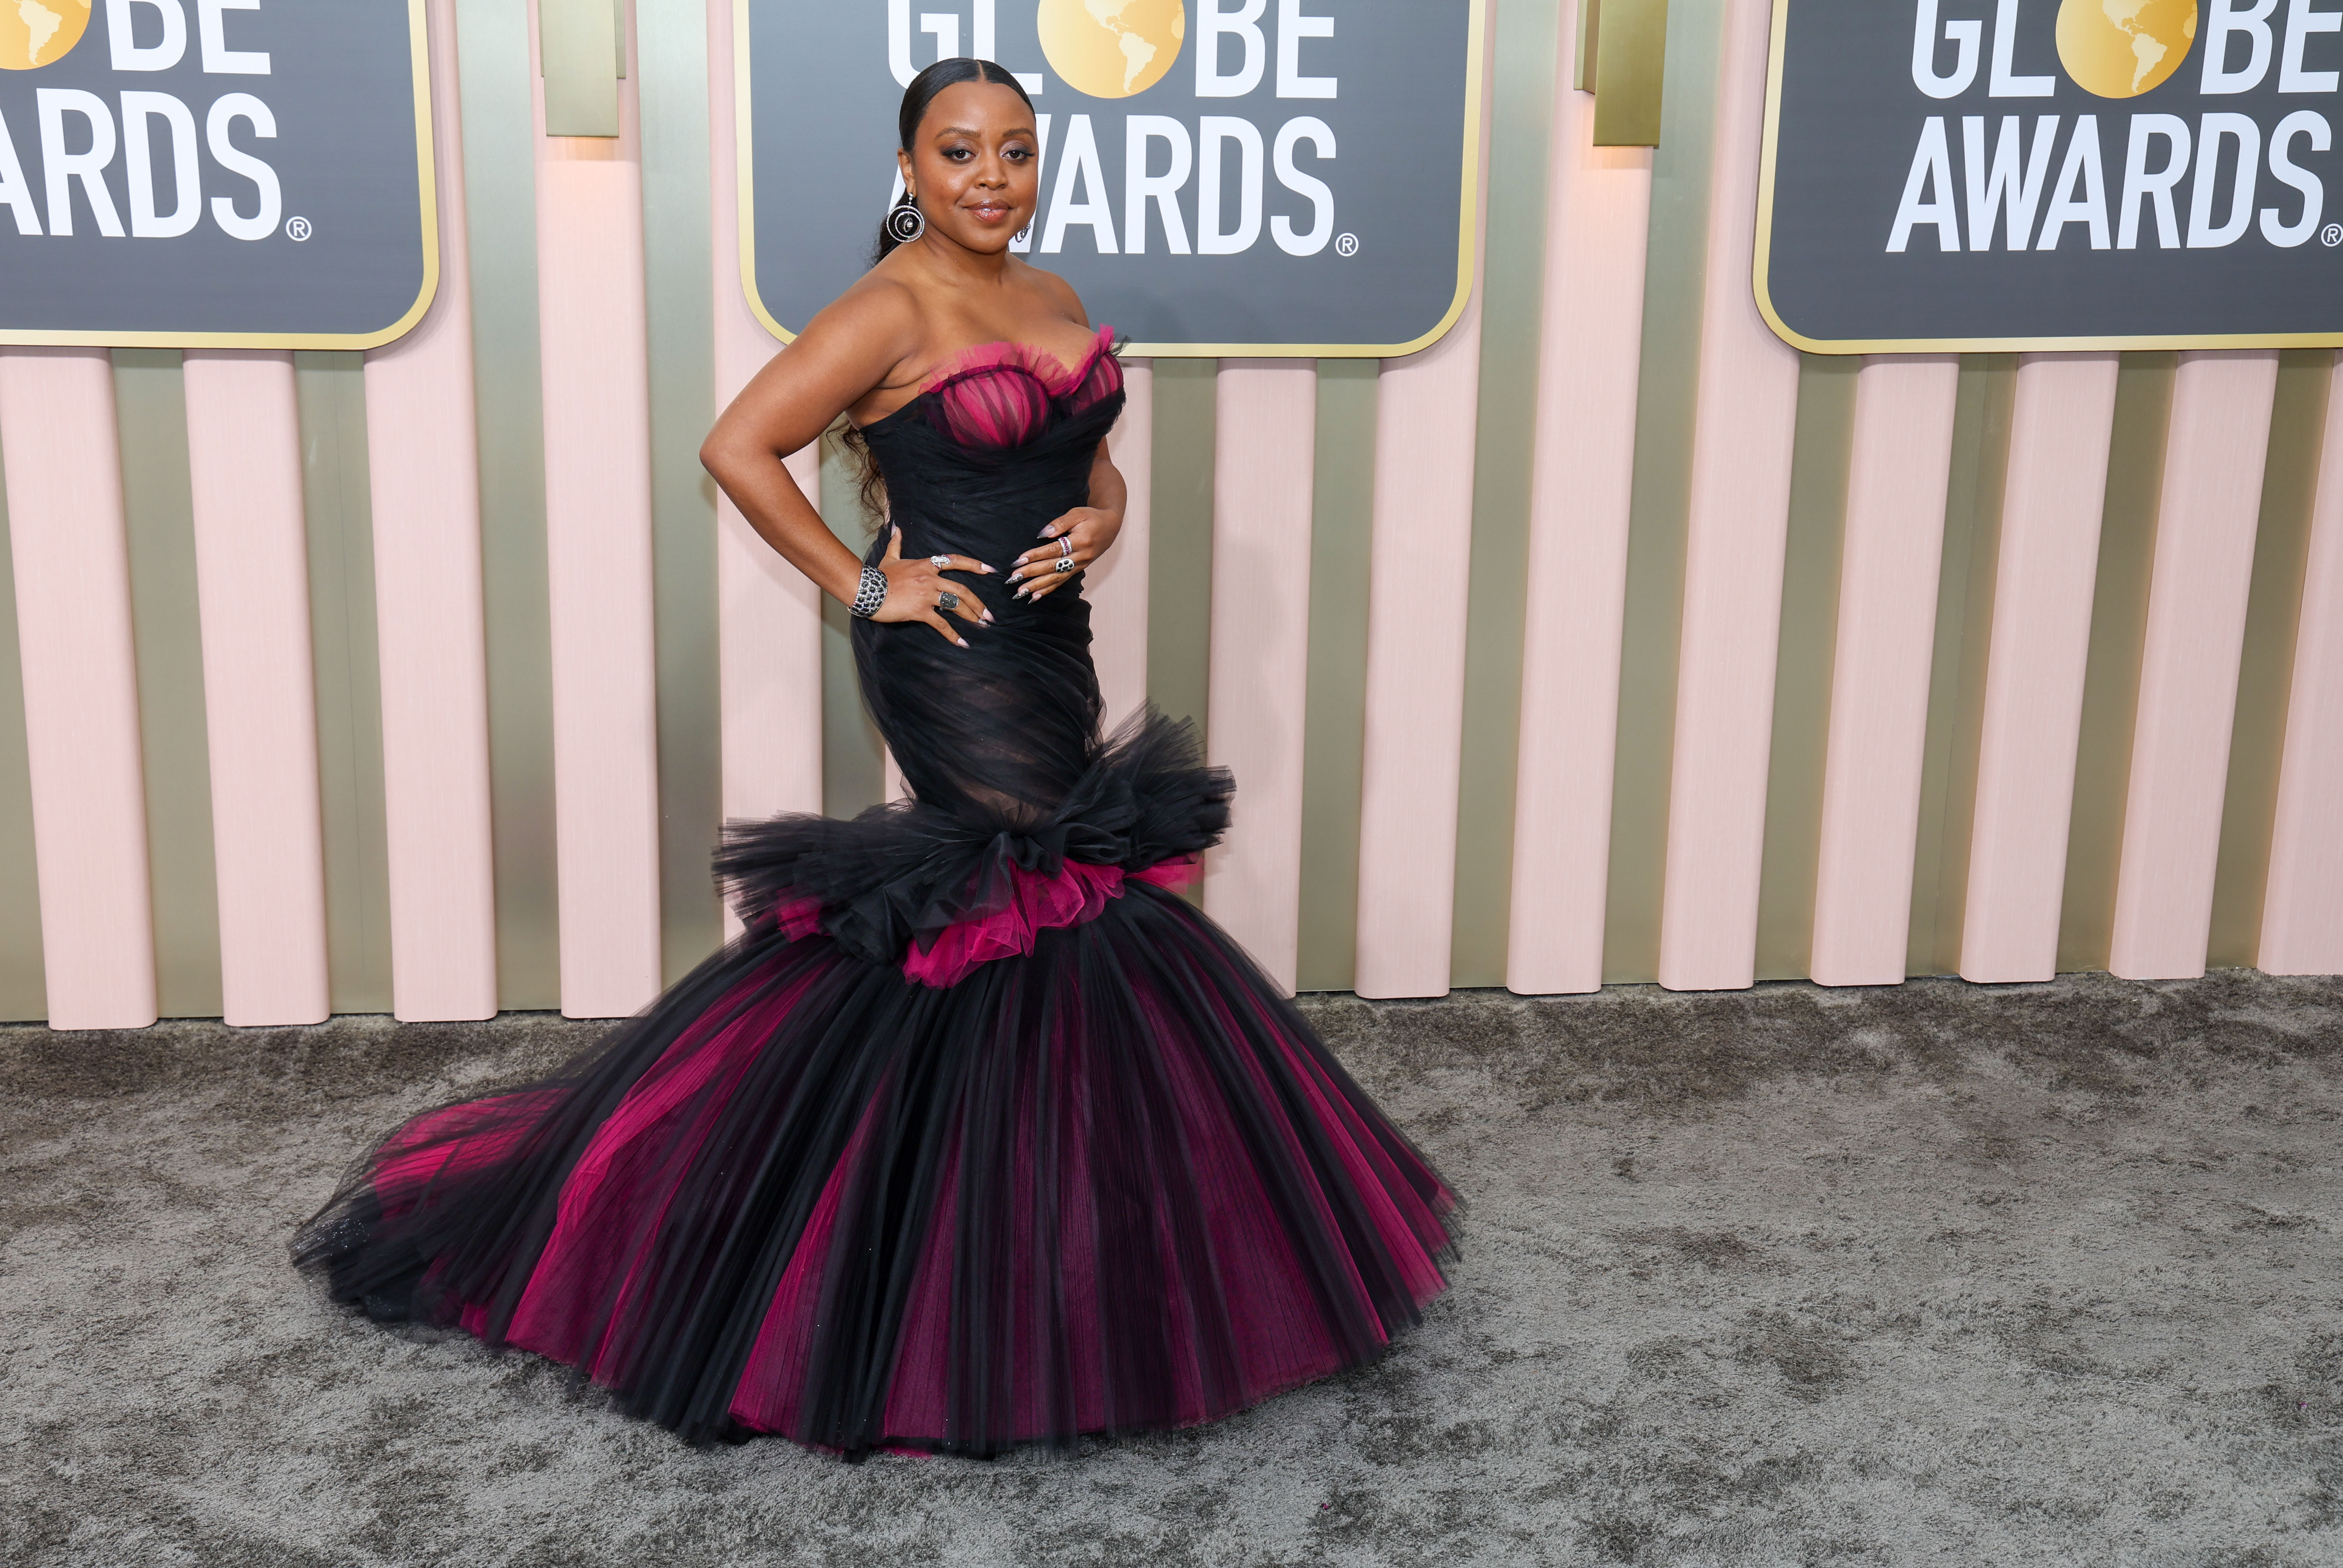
pixel 1078 894
pixel 999 394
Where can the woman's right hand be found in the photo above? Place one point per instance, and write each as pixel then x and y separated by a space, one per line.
pixel 916 588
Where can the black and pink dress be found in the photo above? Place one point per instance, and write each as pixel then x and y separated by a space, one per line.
pixel 979 1135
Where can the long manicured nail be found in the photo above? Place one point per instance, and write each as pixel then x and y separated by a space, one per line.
pixel 988 570
pixel 961 640
pixel 988 617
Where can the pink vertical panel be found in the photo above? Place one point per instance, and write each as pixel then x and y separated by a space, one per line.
pixel 770 615
pixel 2302 908
pixel 1265 446
pixel 1427 408
pixel 2052 497
pixel 1743 423
pixel 1117 586
pixel 1598 207
pixel 1903 451
pixel 2205 526
pixel 424 462
pixel 260 703
pixel 1427 415
pixel 72 559
pixel 595 364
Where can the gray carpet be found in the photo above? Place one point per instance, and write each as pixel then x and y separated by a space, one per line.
pixel 1936 1275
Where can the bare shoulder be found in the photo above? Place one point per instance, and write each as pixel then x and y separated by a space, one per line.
pixel 1055 292
pixel 876 325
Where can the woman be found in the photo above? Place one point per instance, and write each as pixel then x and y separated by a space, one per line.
pixel 979 1135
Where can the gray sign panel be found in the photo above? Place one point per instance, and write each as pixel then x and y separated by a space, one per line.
pixel 253 173
pixel 1218 176
pixel 2027 174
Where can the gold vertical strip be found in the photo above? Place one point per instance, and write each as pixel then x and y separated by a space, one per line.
pixel 1180 541
pixel 1806 646
pixel 671 48
pixel 24 989
pixel 1334 720
pixel 158 509
pixel 1590 42
pixel 1655 532
pixel 2266 670
pixel 2111 673
pixel 1956 669
pixel 500 198
pixel 1497 596
pixel 853 765
pixel 329 388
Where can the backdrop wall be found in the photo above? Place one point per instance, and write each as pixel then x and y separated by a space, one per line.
pixel 1609 639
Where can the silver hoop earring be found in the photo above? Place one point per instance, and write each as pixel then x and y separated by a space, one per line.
pixel 906 223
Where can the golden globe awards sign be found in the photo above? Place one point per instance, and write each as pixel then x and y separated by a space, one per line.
pixel 1218 176
pixel 2028 174
pixel 222 173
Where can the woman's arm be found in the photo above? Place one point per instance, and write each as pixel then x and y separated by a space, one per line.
pixel 844 353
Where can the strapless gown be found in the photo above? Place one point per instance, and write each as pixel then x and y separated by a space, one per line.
pixel 979 1135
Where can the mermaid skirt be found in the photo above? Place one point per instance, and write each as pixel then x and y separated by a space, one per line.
pixel 1046 1157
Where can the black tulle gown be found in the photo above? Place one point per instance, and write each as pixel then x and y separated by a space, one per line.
pixel 979 1135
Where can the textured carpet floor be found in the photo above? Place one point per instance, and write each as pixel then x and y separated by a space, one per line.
pixel 1936 1275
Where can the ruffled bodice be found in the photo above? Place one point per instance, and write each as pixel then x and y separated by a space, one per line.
pixel 1001 741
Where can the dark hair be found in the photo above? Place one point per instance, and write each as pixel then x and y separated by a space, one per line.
pixel 870 486
pixel 923 93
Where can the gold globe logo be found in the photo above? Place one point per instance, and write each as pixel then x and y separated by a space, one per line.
pixel 36 33
pixel 2121 48
pixel 1109 48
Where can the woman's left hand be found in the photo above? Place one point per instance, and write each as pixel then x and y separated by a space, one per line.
pixel 1080 536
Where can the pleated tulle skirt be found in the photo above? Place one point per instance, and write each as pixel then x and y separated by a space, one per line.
pixel 1112 1182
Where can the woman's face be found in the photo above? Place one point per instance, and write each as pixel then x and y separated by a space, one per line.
pixel 974 165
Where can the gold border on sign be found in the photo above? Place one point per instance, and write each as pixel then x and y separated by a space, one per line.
pixel 1796 339
pixel 427 180
pixel 1468 238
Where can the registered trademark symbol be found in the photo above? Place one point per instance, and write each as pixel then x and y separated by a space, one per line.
pixel 2331 236
pixel 298 229
pixel 1347 243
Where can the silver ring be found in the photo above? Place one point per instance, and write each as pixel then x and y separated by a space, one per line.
pixel 947 601
pixel 940 562
pixel 1065 565
pixel 1066 545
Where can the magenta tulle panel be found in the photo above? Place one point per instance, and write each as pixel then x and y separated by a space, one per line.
pixel 1002 395
pixel 1036 903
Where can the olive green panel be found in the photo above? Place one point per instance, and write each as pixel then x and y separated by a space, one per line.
pixel 24 989
pixel 1957 669
pixel 2266 672
pixel 501 202
pixel 158 507
pixel 1513 291
pixel 853 757
pixel 583 46
pixel 1806 646
pixel 671 65
pixel 1179 539
pixel 330 389
pixel 1664 403
pixel 1335 709
pixel 1179 547
pixel 1629 69
pixel 2111 676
